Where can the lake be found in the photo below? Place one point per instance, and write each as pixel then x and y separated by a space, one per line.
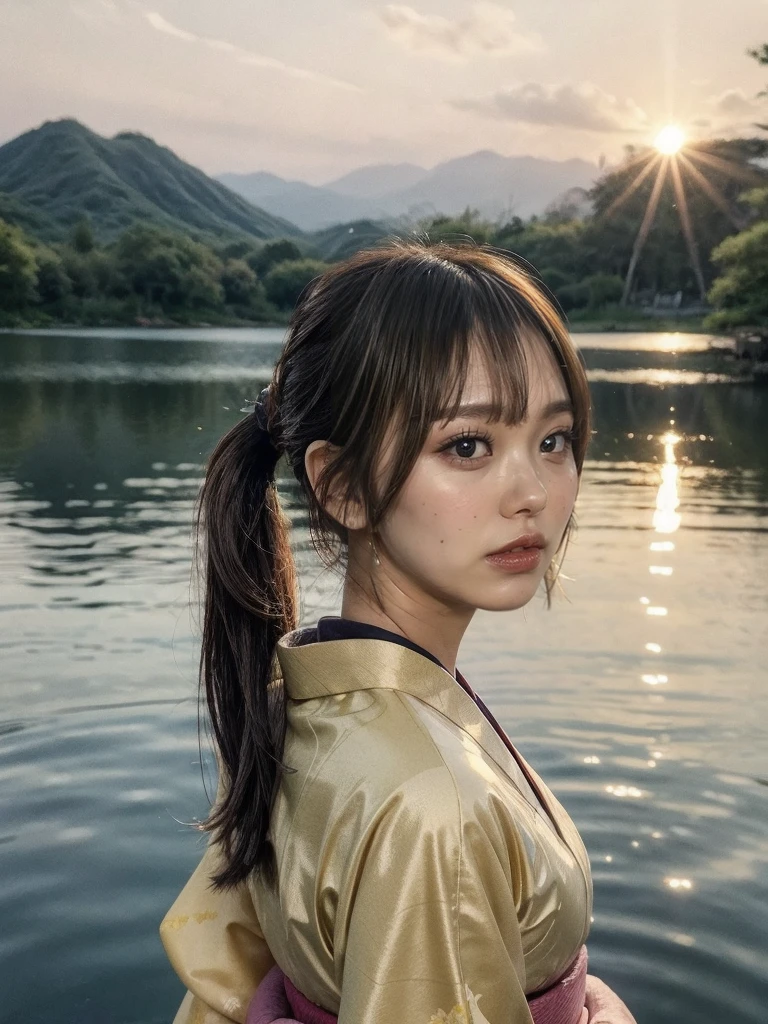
pixel 641 696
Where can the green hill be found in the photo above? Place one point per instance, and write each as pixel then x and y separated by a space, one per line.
pixel 342 240
pixel 52 176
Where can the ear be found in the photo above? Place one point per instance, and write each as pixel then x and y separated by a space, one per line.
pixel 316 458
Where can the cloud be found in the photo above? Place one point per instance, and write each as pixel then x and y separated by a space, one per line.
pixel 257 60
pixel 734 103
pixel 158 21
pixel 584 107
pixel 487 29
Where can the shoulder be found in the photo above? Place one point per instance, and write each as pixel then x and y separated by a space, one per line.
pixel 370 758
pixel 374 732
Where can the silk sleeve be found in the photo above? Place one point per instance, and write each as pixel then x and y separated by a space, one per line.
pixel 433 934
pixel 216 946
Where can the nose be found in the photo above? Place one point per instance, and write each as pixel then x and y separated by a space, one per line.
pixel 523 492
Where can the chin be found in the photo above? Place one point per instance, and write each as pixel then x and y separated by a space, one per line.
pixel 518 594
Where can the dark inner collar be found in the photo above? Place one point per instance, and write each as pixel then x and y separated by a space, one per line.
pixel 333 627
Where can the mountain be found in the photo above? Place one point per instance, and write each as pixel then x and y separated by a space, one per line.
pixel 308 206
pixel 494 184
pixel 57 173
pixel 378 180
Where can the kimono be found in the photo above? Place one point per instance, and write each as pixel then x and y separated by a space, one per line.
pixel 425 873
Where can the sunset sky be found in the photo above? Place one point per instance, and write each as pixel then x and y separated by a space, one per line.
pixel 311 89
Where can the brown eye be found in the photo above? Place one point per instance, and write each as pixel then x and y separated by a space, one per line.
pixel 557 443
pixel 464 448
pixel 552 444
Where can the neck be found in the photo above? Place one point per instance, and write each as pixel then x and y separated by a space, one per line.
pixel 416 616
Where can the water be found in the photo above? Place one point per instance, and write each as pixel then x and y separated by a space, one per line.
pixel 642 698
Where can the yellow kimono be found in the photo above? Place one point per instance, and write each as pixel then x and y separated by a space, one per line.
pixel 419 880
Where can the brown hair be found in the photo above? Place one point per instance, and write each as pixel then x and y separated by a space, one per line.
pixel 384 337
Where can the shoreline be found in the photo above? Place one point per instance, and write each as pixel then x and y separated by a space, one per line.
pixel 607 325
pixel 28 325
pixel 643 325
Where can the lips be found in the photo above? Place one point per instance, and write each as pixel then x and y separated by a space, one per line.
pixel 527 540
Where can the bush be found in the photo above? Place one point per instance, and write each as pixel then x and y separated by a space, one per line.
pixel 82 236
pixel 574 296
pixel 53 282
pixel 286 281
pixel 604 289
pixel 90 274
pixel 469 224
pixel 741 292
pixel 240 284
pixel 555 279
pixel 18 269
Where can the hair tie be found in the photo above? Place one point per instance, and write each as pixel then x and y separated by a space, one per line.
pixel 260 410
pixel 260 414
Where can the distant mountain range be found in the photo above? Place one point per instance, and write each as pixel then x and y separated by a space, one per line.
pixel 494 184
pixel 53 175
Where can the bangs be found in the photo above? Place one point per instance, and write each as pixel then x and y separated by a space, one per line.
pixel 501 340
pixel 490 315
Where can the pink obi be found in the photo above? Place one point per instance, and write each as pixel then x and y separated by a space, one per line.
pixel 278 1001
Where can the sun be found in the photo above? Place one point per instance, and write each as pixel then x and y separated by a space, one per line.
pixel 669 140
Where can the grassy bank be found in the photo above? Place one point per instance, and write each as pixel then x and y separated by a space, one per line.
pixel 619 319
pixel 38 320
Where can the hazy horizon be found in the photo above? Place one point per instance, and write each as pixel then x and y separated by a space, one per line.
pixel 323 91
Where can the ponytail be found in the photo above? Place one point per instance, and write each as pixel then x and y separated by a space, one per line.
pixel 250 602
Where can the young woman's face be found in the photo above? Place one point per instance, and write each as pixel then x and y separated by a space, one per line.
pixel 478 487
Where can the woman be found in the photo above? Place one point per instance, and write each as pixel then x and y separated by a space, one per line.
pixel 377 840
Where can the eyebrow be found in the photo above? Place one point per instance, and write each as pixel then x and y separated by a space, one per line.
pixel 485 410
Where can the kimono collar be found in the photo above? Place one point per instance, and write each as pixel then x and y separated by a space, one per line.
pixel 356 663
pixel 312 670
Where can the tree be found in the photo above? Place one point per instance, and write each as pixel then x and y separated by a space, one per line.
pixel 665 264
pixel 271 254
pixel 53 282
pixel 18 270
pixel 559 248
pixel 244 291
pixel 240 249
pixel 240 284
pixel 573 296
pixel 469 224
pixel 573 204
pixel 80 270
pixel 82 236
pixel 286 281
pixel 168 270
pixel 604 290
pixel 760 54
pixel 740 294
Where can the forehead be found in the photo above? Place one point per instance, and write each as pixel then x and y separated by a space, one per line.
pixel 545 381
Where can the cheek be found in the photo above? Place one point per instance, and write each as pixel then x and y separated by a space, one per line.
pixel 563 490
pixel 435 508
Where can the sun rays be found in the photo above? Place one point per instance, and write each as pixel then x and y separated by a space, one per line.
pixel 683 163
